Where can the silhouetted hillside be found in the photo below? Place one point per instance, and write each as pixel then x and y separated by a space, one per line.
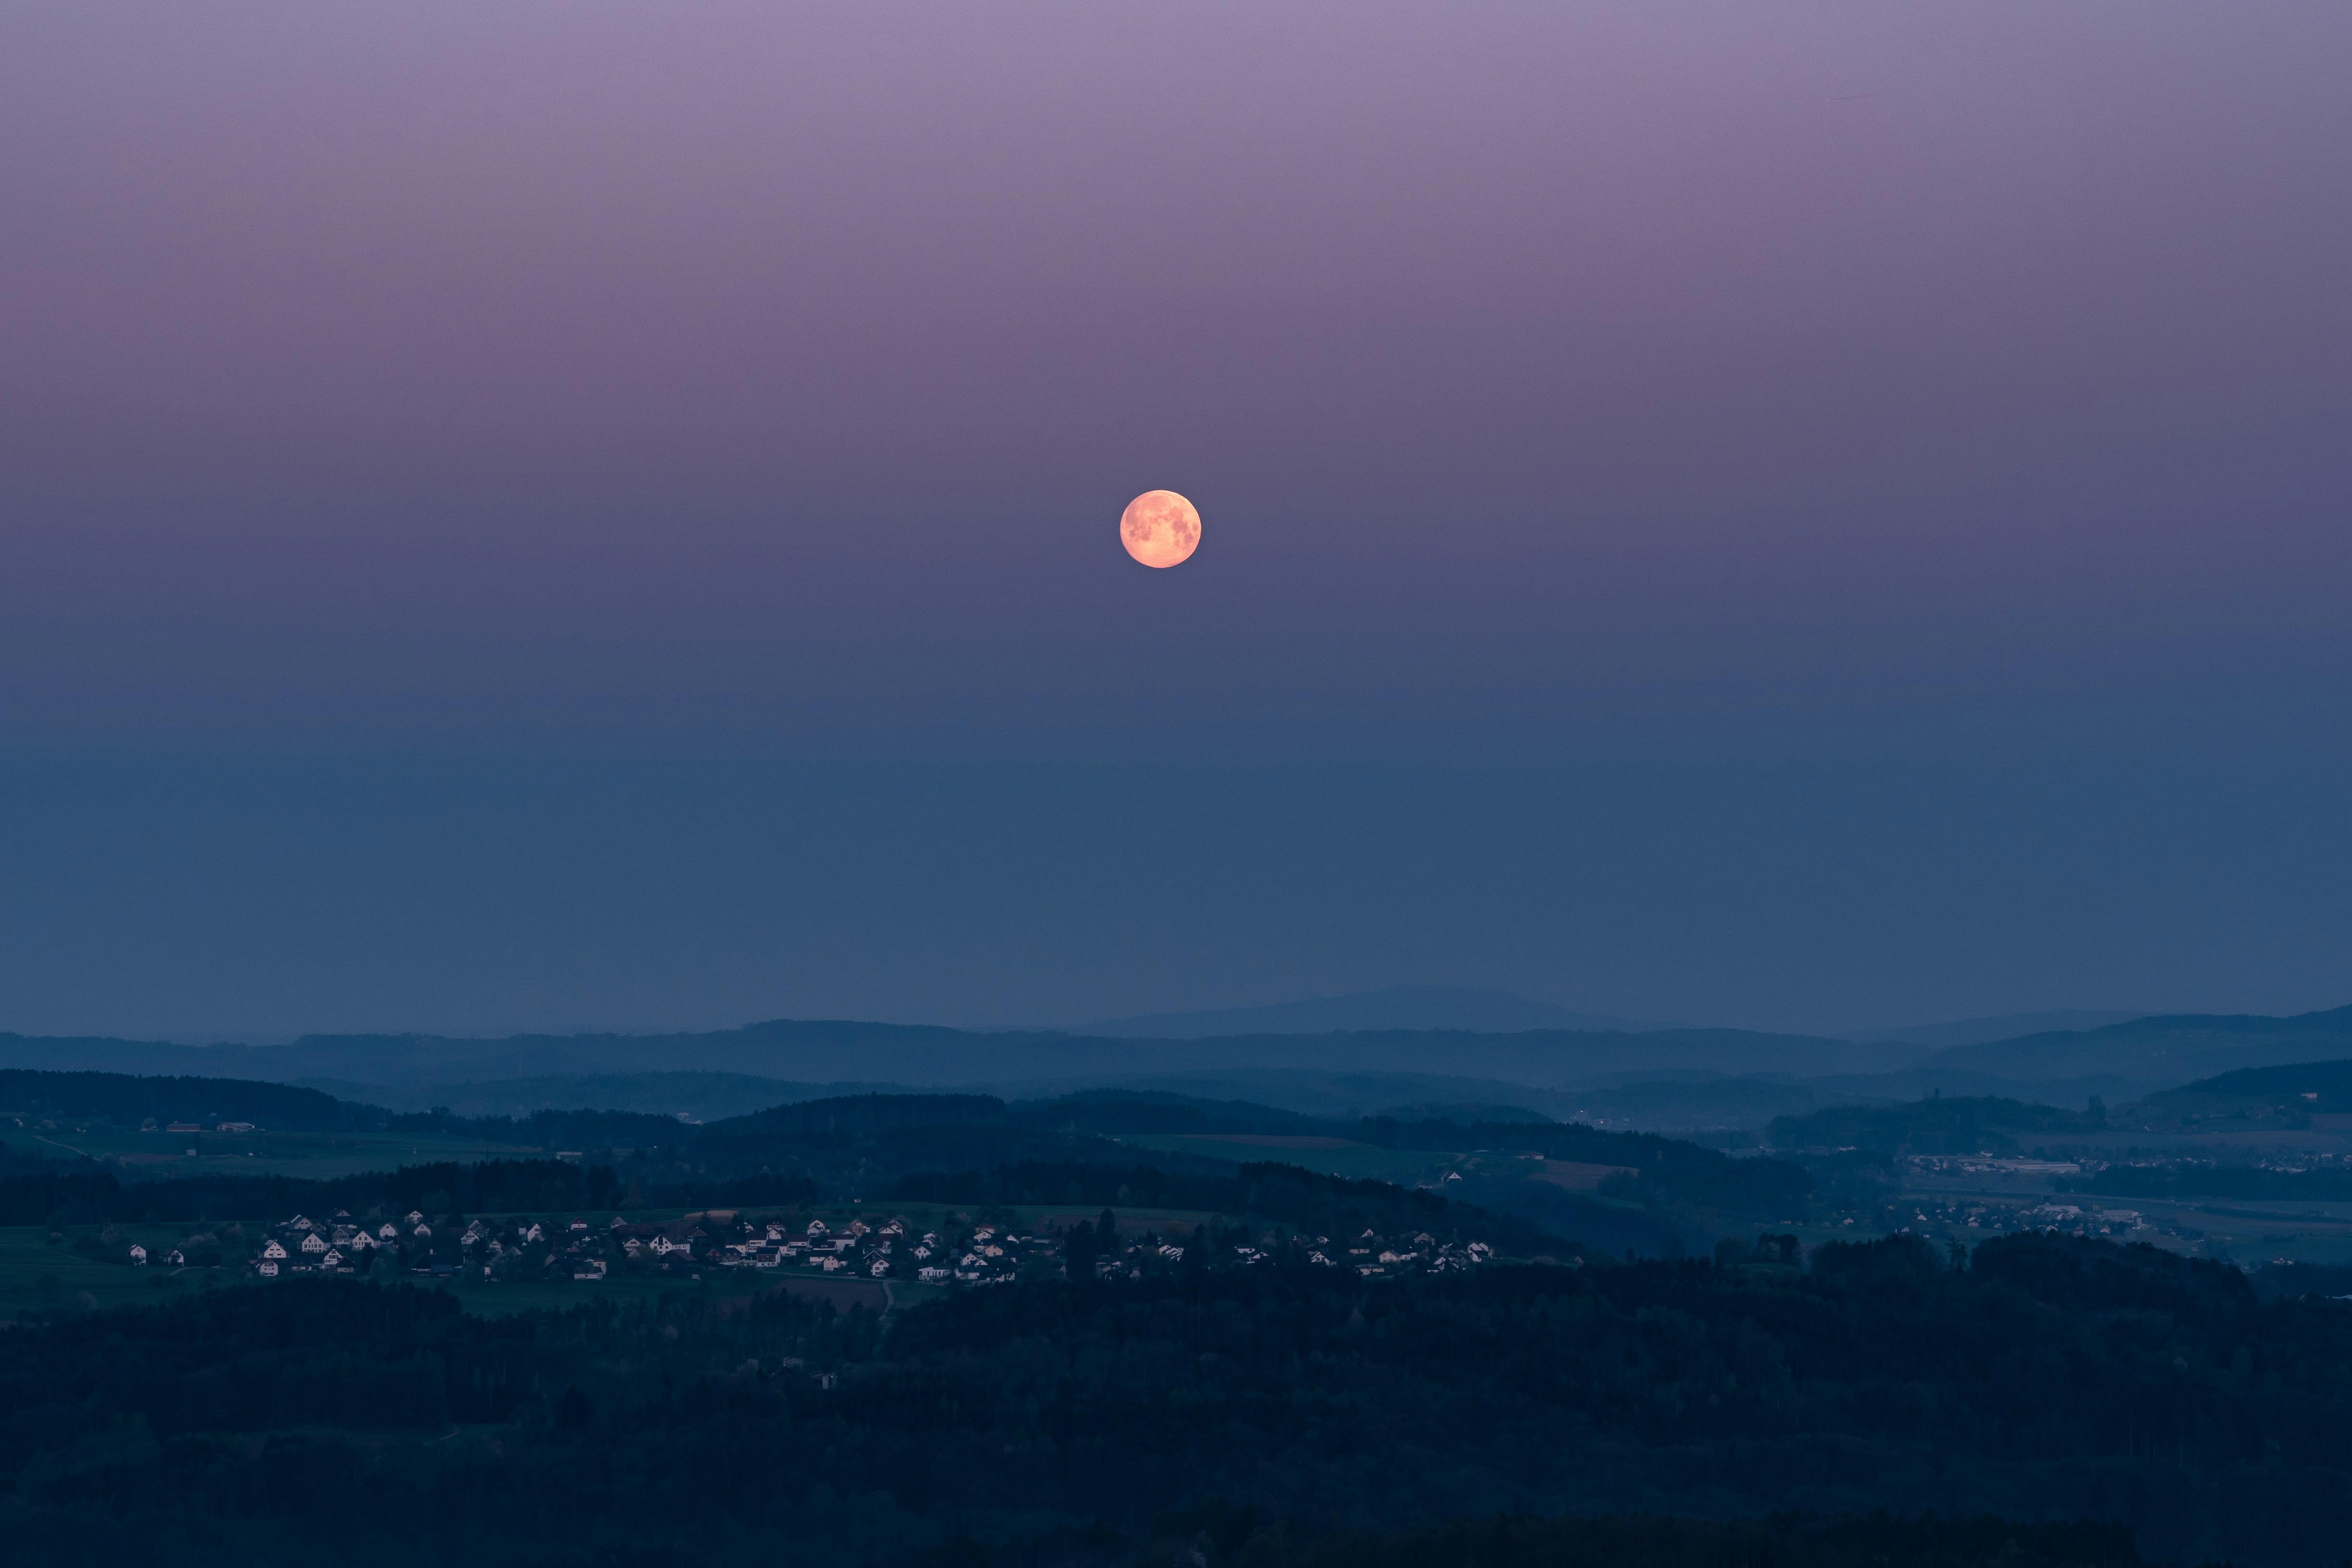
pixel 806 1052
pixel 2160 1052
pixel 1459 1008
pixel 1940 1125
pixel 1269 1412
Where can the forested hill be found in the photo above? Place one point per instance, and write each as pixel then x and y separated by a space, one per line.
pixel 1287 1196
pixel 2326 1084
pixel 1251 1418
pixel 2160 1051
pixel 130 1100
pixel 1652 1166
pixel 861 1143
pixel 1948 1125
pixel 820 1051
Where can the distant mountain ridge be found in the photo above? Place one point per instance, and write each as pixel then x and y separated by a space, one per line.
pixel 1998 1027
pixel 1455 1007
pixel 1664 1077
pixel 924 1056
pixel 2160 1051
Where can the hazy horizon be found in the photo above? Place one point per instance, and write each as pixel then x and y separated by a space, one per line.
pixel 530 516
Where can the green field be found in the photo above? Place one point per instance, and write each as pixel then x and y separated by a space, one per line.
pixel 1336 1156
pixel 317 1156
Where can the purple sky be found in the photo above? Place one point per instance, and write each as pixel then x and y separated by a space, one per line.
pixel 1650 410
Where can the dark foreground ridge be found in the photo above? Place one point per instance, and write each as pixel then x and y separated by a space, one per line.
pixel 2044 1379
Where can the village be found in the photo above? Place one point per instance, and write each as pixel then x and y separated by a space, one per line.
pixel 484 1250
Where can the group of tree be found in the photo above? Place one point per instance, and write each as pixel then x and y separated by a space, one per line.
pixel 1938 1124
pixel 60 1195
pixel 1338 1421
pixel 860 1144
pixel 1303 1200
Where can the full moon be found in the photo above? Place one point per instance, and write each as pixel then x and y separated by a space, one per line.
pixel 1159 527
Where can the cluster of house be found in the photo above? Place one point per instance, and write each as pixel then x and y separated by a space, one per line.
pixel 857 1248
pixel 304 1245
pixel 884 1248
pixel 527 1248
pixel 1375 1256
pixel 2054 1215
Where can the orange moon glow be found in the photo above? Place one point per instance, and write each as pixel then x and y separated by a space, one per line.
pixel 1159 527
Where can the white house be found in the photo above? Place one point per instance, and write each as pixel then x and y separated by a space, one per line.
pixel 314 1242
pixel 273 1250
pixel 137 1255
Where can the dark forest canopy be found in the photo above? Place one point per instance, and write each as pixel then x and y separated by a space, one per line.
pixel 2048 1379
pixel 2303 1089
pixel 65 1196
pixel 2325 1079
pixel 2205 1179
pixel 1282 1193
pixel 120 1098
pixel 1668 1168
pixel 1779 1540
pixel 1303 1200
pixel 1946 1124
pixel 860 1143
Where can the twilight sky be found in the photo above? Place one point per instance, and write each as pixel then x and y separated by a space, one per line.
pixel 605 515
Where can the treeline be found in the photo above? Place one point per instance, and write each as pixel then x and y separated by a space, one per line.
pixel 83 1196
pixel 1779 1540
pixel 1954 1125
pixel 2203 1179
pixel 1117 1112
pixel 583 1131
pixel 1081 1423
pixel 2329 1083
pixel 1313 1205
pixel 859 1143
pixel 1663 1168
pixel 126 1101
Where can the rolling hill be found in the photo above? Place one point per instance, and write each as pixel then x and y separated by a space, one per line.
pixel 2159 1052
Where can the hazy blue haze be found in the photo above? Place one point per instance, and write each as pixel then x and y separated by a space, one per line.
pixel 1811 519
